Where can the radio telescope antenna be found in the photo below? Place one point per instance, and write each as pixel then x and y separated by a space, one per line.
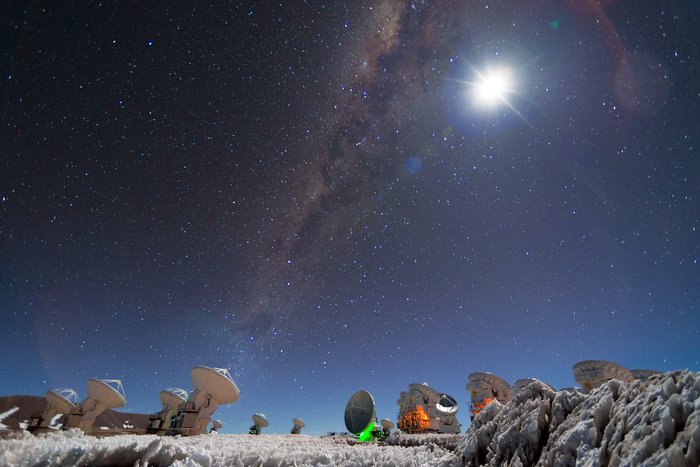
pixel 58 402
pixel 360 416
pixel 259 422
pixel 590 374
pixel 103 394
pixel 170 400
pixel 485 388
pixel 212 386
pixel 216 426
pixel 298 425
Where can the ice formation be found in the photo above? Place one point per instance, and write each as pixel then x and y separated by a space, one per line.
pixel 649 422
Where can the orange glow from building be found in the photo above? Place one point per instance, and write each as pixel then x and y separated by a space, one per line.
pixel 414 421
pixel 479 407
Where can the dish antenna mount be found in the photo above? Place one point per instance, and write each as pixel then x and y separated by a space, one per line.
pixel 212 387
pixel 103 394
pixel 298 425
pixel 360 417
pixel 259 422
pixel 170 400
pixel 58 402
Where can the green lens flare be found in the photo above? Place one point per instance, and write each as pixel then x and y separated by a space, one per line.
pixel 366 434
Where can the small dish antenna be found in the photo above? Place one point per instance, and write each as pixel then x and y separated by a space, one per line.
pixel 259 422
pixel 212 386
pixel 298 425
pixel 590 374
pixel 58 402
pixel 216 426
pixel 387 425
pixel 170 400
pixel 103 394
pixel 447 405
pixel 360 416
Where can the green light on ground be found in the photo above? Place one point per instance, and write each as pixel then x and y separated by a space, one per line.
pixel 366 434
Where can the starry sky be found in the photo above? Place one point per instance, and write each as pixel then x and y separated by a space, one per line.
pixel 311 195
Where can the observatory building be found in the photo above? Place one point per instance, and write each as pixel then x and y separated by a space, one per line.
pixel 422 409
pixel 212 387
pixel 103 394
pixel 485 388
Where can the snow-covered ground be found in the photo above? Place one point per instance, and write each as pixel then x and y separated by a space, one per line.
pixel 652 422
pixel 73 448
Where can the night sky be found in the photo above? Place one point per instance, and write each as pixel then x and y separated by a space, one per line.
pixel 313 195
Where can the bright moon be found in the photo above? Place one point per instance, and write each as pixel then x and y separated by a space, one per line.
pixel 493 87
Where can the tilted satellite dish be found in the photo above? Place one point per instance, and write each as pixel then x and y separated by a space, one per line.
pixel 216 425
pixel 387 425
pixel 259 422
pixel 298 425
pixel 590 374
pixel 103 394
pixel 484 388
pixel 644 374
pixel 62 400
pixel 259 419
pixel 217 382
pixel 58 401
pixel 109 392
pixel 171 400
pixel 212 386
pixel 359 412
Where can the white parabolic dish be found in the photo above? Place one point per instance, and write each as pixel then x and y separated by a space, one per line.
pixel 108 396
pixel 260 420
pixel 61 402
pixel 447 404
pixel 298 422
pixel 173 397
pixel 217 382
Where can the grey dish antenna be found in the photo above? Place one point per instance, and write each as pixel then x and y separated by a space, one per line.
pixel 359 412
pixel 298 425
